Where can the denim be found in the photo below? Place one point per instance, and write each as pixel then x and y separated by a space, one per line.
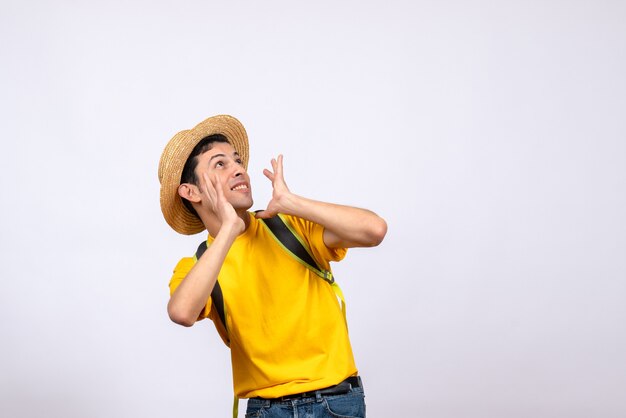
pixel 349 405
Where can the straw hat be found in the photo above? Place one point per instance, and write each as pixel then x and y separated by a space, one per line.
pixel 173 160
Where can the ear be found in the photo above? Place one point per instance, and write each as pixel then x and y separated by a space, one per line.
pixel 190 192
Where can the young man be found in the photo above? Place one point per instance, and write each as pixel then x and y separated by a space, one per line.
pixel 290 350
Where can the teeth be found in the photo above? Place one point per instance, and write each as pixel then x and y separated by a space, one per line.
pixel 240 187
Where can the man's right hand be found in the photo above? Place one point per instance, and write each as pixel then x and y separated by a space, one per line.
pixel 221 206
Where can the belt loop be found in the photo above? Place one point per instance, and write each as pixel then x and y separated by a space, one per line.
pixel 318 396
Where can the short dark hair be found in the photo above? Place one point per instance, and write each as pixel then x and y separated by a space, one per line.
pixel 189 169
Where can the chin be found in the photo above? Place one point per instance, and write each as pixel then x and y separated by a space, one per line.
pixel 243 205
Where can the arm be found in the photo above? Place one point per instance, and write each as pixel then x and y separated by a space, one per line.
pixel 192 294
pixel 344 226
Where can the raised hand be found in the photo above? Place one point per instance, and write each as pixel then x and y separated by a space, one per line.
pixel 280 193
pixel 220 205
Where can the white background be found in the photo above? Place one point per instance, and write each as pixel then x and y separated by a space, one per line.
pixel 490 135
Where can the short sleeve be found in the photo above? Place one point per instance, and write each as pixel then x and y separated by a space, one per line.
pixel 181 270
pixel 313 234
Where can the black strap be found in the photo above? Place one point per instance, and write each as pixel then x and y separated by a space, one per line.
pixel 216 294
pixel 286 237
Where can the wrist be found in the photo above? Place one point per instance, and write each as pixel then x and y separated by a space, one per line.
pixel 230 229
pixel 290 204
pixel 295 205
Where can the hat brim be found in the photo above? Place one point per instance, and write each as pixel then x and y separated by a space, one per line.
pixel 173 160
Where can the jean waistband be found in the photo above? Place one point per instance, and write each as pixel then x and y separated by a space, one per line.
pixel 338 389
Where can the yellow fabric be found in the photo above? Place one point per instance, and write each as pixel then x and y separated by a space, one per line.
pixel 286 327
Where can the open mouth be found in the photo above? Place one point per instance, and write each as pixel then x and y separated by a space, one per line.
pixel 240 187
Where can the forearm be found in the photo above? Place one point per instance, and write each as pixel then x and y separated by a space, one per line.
pixel 194 291
pixel 345 226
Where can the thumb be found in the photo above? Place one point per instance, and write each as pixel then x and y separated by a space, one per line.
pixel 262 214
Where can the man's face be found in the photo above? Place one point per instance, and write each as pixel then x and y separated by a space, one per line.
pixel 222 163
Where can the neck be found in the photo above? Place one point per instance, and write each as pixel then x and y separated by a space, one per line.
pixel 213 224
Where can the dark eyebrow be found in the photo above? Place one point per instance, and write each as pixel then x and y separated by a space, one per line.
pixel 216 156
pixel 236 154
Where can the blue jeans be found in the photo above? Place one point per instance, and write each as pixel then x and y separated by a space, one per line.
pixel 349 405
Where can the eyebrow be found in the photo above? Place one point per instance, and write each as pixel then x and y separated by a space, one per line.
pixel 236 154
pixel 216 156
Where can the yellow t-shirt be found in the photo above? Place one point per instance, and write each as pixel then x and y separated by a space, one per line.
pixel 286 328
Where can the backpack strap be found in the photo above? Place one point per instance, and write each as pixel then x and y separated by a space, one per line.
pixel 216 295
pixel 217 299
pixel 295 246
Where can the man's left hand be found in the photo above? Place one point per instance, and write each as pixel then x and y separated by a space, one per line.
pixel 280 194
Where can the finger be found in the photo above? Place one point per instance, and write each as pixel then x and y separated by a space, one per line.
pixel 265 214
pixel 268 174
pixel 213 193
pixel 209 188
pixel 219 188
pixel 261 215
pixel 279 165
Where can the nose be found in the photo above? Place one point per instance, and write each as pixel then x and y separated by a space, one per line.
pixel 238 171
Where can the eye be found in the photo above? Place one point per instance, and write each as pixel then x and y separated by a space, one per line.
pixel 219 164
pixel 239 161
